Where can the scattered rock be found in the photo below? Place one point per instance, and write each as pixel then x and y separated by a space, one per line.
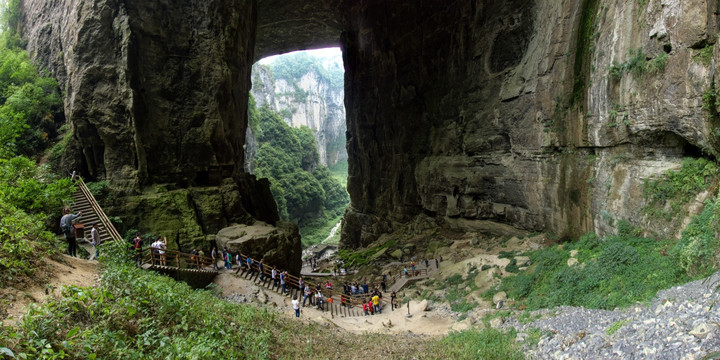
pixel 522 261
pixel 701 330
pixel 496 322
pixel 573 253
pixel 397 254
pixel 475 241
pixel 501 296
pixel 572 261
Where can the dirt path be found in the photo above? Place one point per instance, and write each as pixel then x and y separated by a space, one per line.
pixel 421 322
pixel 70 271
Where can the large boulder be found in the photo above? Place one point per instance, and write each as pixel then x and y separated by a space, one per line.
pixel 278 245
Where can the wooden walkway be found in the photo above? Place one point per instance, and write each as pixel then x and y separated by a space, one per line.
pixel 334 302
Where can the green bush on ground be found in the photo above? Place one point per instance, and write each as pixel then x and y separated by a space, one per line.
pixel 616 271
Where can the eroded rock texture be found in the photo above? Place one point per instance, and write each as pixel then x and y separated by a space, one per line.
pixel 465 111
pixel 504 111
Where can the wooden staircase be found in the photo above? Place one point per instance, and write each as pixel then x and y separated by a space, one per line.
pixel 84 201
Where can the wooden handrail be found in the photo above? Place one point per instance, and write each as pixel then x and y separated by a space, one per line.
pixel 179 259
pixel 109 227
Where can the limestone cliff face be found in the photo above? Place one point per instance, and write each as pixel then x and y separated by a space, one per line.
pixel 465 111
pixel 153 89
pixel 156 95
pixel 504 111
pixel 321 108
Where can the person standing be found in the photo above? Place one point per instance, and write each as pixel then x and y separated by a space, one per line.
pixel 296 306
pixel 393 298
pixel 282 281
pixel 137 245
pixel 376 304
pixel 214 256
pixel 261 269
pixel 437 264
pixel 273 276
pixel 66 225
pixel 162 246
pixel 94 240
pixel 307 292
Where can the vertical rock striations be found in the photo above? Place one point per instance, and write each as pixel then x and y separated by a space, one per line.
pixel 507 111
pixel 155 90
pixel 313 101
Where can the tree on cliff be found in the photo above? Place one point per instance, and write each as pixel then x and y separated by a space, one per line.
pixel 304 191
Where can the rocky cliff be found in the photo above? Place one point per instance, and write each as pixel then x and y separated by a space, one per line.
pixel 313 101
pixel 509 111
pixel 544 115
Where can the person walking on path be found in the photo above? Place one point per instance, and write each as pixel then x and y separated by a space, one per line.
pixel 393 297
pixel 296 306
pixel 66 225
pixel 437 264
pixel 261 269
pixel 214 256
pixel 282 281
pixel 427 263
pixel 94 241
pixel 273 276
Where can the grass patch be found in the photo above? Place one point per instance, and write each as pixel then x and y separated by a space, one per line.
pixel 704 55
pixel 356 258
pixel 667 194
pixel 638 65
pixel 487 344
pixel 618 271
pixel 616 326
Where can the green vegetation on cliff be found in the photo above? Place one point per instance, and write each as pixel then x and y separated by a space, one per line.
pixel 619 270
pixel 305 192
pixel 28 193
pixel 292 67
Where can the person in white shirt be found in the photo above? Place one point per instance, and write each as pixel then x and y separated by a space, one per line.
pixel 296 306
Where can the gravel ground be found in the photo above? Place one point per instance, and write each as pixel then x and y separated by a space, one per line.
pixel 680 323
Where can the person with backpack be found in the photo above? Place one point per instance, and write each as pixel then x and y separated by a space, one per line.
pixel 66 225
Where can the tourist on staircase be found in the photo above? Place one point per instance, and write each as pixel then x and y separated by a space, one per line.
pixel 66 225
pixel 261 269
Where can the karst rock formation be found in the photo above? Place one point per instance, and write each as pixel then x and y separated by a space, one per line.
pixel 472 112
